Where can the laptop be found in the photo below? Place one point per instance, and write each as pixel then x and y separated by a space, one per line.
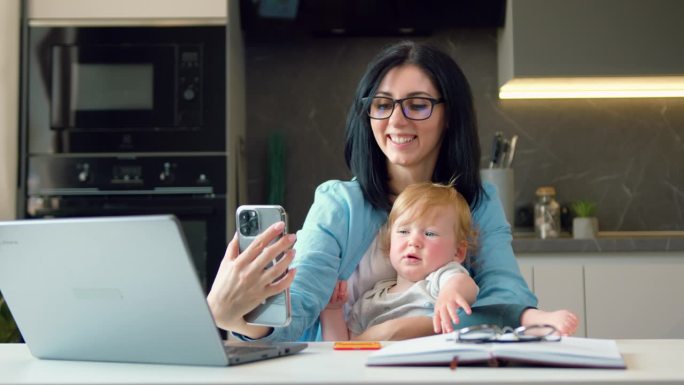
pixel 120 289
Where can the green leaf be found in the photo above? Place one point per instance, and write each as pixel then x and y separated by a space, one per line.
pixel 584 209
pixel 8 328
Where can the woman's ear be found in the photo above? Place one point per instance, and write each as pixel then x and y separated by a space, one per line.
pixel 461 251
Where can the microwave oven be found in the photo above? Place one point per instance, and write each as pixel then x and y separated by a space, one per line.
pixel 126 89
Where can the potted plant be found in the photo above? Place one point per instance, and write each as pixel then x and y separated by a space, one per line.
pixel 585 223
pixel 8 329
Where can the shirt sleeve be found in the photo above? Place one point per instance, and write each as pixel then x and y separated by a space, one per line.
pixel 438 278
pixel 493 265
pixel 320 244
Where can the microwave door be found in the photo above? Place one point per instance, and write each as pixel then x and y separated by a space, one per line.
pixel 113 87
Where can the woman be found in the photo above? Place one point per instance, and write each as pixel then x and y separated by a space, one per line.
pixel 412 121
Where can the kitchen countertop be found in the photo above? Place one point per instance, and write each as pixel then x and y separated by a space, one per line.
pixel 619 241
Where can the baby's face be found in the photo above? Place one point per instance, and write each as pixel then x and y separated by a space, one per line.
pixel 422 243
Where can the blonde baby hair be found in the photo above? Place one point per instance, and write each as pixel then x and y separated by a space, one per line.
pixel 418 198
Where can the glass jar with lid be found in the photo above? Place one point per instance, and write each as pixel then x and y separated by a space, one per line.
pixel 546 213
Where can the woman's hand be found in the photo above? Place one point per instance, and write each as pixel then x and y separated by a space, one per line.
pixel 398 329
pixel 242 284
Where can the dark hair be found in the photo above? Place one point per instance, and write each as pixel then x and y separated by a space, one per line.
pixel 458 162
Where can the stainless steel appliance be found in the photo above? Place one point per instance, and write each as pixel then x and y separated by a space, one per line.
pixel 127 121
pixel 191 187
pixel 126 89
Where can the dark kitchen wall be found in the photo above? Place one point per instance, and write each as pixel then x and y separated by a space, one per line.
pixel 627 155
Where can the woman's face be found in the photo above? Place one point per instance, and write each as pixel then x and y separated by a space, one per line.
pixel 412 144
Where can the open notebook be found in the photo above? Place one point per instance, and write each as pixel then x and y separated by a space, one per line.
pixel 118 289
pixel 444 350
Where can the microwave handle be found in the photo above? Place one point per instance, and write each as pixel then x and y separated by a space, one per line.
pixel 61 115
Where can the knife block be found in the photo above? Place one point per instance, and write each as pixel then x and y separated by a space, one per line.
pixel 503 180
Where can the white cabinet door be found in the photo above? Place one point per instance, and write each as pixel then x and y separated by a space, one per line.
pixel 558 285
pixel 561 287
pixel 635 300
pixel 526 272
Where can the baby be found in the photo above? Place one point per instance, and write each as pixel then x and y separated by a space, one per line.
pixel 428 235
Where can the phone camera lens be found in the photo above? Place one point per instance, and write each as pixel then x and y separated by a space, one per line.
pixel 249 223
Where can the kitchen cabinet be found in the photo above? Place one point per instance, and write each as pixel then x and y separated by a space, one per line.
pixel 601 48
pixel 163 13
pixel 557 285
pixel 616 295
pixel 127 11
pixel 636 299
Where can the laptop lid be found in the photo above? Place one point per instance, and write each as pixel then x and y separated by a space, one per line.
pixel 107 289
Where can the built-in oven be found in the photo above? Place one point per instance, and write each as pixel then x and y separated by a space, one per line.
pixel 189 186
pixel 125 89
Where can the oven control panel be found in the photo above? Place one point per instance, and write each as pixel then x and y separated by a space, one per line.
pixel 107 175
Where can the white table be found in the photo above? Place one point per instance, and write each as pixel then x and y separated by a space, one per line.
pixel 648 361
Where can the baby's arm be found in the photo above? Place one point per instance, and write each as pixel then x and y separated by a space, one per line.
pixel 459 291
pixel 397 329
pixel 333 325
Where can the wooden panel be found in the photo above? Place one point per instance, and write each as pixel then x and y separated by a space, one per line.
pixel 9 106
pixel 635 300
pixel 126 9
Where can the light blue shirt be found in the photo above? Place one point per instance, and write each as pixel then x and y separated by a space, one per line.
pixel 340 227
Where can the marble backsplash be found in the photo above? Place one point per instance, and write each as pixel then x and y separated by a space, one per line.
pixel 627 155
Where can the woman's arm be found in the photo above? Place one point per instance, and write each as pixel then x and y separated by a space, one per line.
pixel 337 231
pixel 494 267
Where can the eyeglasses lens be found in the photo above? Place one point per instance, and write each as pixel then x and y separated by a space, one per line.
pixel 478 335
pixel 381 108
pixel 538 331
pixel 416 108
pixel 413 108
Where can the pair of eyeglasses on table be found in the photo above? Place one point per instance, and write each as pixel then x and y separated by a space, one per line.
pixel 495 334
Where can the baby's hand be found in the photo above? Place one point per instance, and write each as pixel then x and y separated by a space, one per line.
pixel 447 303
pixel 338 297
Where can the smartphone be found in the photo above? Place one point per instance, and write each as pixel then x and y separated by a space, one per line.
pixel 252 220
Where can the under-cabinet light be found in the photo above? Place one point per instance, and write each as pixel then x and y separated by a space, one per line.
pixel 593 87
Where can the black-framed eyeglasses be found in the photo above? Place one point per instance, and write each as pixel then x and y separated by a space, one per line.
pixel 492 333
pixel 414 107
